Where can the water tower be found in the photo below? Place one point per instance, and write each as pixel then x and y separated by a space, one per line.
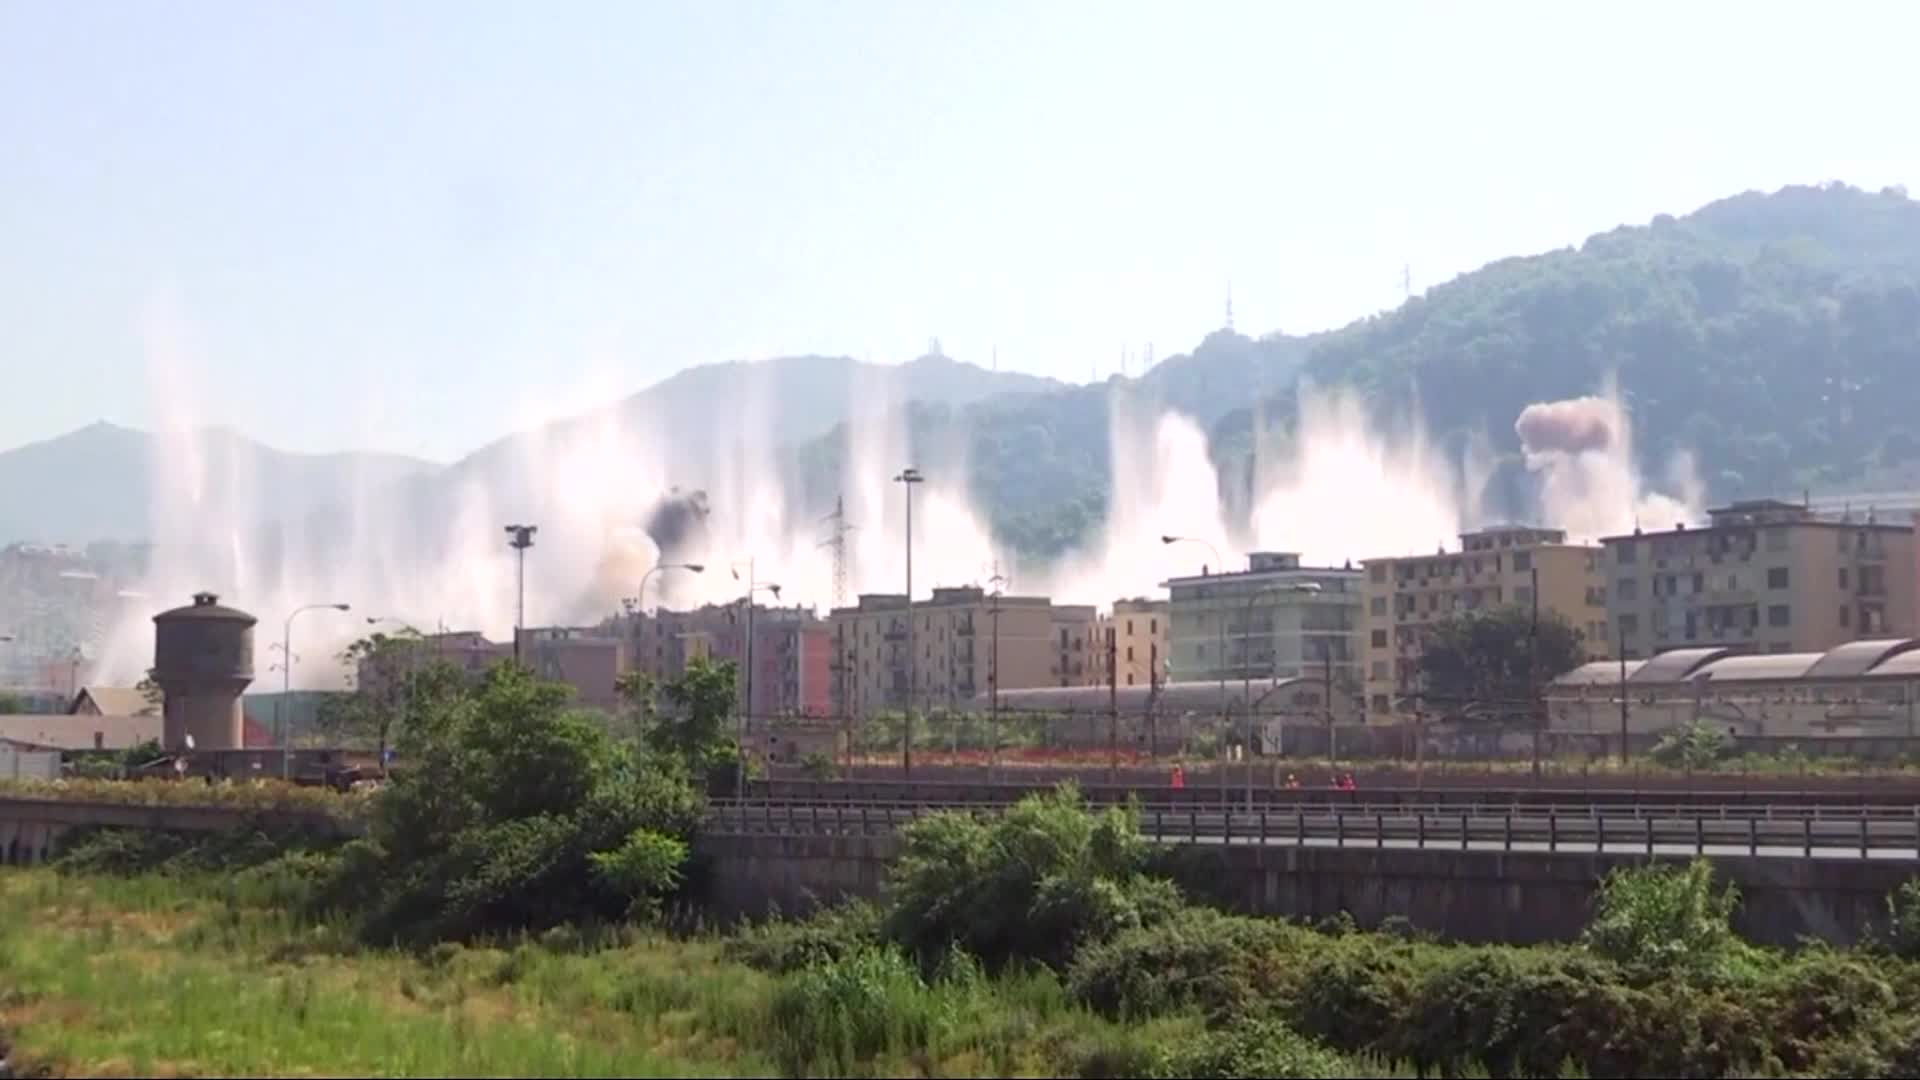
pixel 202 661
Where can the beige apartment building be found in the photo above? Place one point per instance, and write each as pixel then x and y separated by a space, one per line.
pixel 1763 576
pixel 957 635
pixel 1495 566
pixel 1141 640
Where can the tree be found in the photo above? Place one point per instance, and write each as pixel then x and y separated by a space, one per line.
pixel 693 725
pixel 514 812
pixel 12 703
pixel 384 669
pixel 1488 658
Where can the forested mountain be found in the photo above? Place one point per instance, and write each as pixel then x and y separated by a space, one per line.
pixel 1775 336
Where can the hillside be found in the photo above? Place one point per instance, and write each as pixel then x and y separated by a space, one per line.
pixel 1774 336
pixel 97 483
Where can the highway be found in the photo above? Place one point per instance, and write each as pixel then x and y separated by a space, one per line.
pixel 1740 830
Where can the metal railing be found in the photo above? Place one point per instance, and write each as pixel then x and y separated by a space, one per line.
pixel 1847 831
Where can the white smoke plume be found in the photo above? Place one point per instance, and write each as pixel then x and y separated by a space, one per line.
pixel 607 488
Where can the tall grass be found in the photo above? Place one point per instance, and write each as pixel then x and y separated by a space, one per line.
pixel 168 974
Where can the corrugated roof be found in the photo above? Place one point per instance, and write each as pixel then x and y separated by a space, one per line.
pixel 1763 666
pixel 1857 657
pixel 1901 665
pixel 1676 664
pixel 1598 673
pixel 67 732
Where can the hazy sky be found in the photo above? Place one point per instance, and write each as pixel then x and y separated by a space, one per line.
pixel 413 226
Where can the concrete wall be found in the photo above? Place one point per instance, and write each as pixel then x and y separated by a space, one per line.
pixel 29 828
pixel 1518 897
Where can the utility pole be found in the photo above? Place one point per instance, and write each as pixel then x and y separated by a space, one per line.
pixel 909 476
pixel 1622 653
pixel 999 583
pixel 837 541
pixel 1533 666
pixel 521 540
pixel 1153 699
pixel 1113 706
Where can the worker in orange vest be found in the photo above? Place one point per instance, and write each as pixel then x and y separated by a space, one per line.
pixel 1179 777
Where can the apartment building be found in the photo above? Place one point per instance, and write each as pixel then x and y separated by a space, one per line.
pixel 792 653
pixel 1276 619
pixel 1763 576
pixel 1405 596
pixel 957 635
pixel 1142 637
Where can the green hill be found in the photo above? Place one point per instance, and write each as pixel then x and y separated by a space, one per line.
pixel 1775 336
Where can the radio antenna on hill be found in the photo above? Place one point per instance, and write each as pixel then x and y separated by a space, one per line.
pixel 1406 280
pixel 837 540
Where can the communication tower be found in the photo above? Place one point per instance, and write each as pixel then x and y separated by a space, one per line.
pixel 837 540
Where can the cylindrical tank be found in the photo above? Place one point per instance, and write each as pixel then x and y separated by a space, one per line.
pixel 202 661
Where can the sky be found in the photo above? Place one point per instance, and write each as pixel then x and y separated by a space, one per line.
pixel 415 227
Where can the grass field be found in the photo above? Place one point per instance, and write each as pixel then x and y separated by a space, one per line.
pixel 153 976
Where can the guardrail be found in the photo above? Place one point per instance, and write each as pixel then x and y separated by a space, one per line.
pixel 1487 808
pixel 1844 832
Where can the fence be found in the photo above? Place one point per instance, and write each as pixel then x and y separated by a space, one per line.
pixel 29 764
pixel 1878 832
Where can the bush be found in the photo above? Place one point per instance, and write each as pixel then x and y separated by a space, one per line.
pixel 1662 922
pixel 125 852
pixel 1821 997
pixel 1696 745
pixel 1903 920
pixel 830 935
pixel 1036 883
pixel 843 1014
pixel 1258 1048
pixel 1221 964
pixel 1356 993
pixel 514 813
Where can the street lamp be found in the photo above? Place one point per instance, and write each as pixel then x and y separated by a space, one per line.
pixel 740 723
pixel 640 597
pixel 909 476
pixel 1221 563
pixel 522 539
pixel 280 719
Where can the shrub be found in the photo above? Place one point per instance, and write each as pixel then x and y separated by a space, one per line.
pixel 1035 883
pixel 1256 1048
pixel 1696 745
pixel 1824 996
pixel 829 935
pixel 514 813
pixel 1220 963
pixel 1356 993
pixel 1662 921
pixel 847 1012
pixel 1903 920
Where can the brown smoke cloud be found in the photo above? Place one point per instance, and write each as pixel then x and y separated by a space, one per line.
pixel 1573 426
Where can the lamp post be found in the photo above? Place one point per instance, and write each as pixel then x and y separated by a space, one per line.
pixel 521 538
pixel 740 725
pixel 909 476
pixel 283 720
pixel 1223 619
pixel 640 597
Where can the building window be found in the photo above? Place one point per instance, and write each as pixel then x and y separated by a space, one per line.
pixel 1523 595
pixel 1378 605
pixel 1522 560
pixel 1129 654
pixel 1378 571
pixel 1628 589
pixel 1153 626
pixel 1129 627
pixel 1846 613
pixel 1843 584
pixel 1778 615
pixel 1379 669
pixel 1379 639
pixel 1379 703
pixel 1777 577
pixel 1629 624
pixel 1626 553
